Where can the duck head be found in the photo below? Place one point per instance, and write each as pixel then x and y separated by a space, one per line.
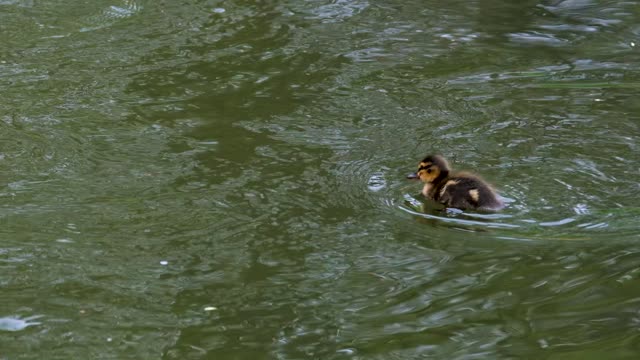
pixel 431 170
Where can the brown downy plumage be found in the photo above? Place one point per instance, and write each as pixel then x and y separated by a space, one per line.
pixel 457 190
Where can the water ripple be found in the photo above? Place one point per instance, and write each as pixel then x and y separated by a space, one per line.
pixel 111 15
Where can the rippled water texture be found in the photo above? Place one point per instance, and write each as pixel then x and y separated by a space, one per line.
pixel 225 179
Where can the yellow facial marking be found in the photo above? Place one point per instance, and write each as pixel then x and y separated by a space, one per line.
pixel 428 172
pixel 474 195
pixel 449 183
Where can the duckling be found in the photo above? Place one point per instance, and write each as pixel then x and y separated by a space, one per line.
pixel 458 190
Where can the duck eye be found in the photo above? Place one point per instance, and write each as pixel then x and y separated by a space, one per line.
pixel 428 171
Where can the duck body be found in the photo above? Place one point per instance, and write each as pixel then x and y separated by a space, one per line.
pixel 458 190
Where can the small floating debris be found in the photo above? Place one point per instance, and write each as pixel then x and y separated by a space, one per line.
pixel 543 343
pixel 219 10
pixel 210 308
pixel 164 262
pixel 17 324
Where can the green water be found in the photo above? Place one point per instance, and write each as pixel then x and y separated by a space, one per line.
pixel 225 179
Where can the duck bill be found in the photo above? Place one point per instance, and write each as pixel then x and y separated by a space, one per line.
pixel 413 176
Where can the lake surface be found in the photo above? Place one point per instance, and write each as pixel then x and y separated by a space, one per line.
pixel 226 179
